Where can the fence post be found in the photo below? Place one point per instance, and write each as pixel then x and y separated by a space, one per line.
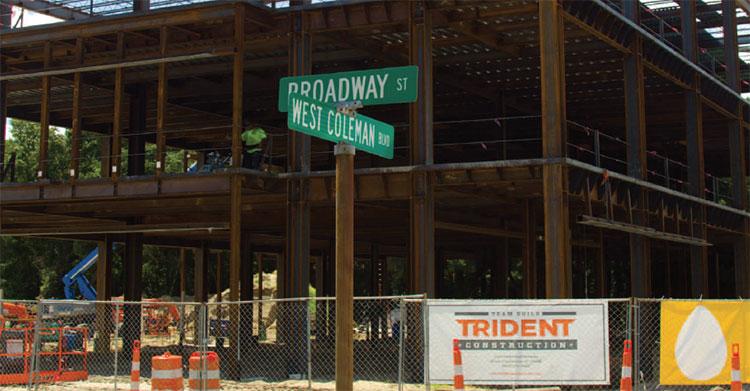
pixel 402 330
pixel 426 345
pixel 636 342
pixel 308 301
pixel 34 344
pixel 205 316
pixel 117 335
pixel 666 172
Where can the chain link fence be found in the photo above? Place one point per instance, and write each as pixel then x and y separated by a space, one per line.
pixel 261 345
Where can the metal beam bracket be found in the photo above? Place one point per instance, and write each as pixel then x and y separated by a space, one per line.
pixel 349 108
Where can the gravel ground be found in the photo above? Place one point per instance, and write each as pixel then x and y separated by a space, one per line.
pixel 101 383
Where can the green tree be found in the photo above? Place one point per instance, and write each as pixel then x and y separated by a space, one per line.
pixel 25 140
pixel 32 267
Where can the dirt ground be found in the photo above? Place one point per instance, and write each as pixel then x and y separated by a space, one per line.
pixel 101 383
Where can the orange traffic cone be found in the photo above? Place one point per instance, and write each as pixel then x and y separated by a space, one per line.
pixel 458 368
pixel 736 378
pixel 135 369
pixel 626 382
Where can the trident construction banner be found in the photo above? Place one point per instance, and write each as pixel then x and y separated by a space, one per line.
pixel 697 338
pixel 520 342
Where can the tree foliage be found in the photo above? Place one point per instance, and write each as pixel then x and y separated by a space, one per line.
pixel 33 268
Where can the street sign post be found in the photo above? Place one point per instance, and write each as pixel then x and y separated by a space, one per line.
pixel 324 121
pixel 308 101
pixel 372 87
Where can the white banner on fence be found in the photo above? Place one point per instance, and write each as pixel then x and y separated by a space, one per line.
pixel 562 342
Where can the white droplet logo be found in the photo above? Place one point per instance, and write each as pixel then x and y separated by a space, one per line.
pixel 701 350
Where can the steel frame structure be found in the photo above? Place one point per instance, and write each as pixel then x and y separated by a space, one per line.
pixel 187 77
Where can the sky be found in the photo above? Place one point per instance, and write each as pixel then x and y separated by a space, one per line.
pixel 31 18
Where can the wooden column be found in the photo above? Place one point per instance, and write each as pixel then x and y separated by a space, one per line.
pixel 736 149
pixel 119 93
pixel 498 258
pixel 200 284
pixel 104 270
pixel 422 201
pixel 137 137
pixel 45 114
pixel 635 123
pixel 694 138
pixel 374 271
pixel 75 144
pixel 558 274
pixel 183 288
pixel 296 269
pixel 104 293
pixel 528 251
pixel 141 5
pixel 294 273
pixel 161 105
pixel 201 274
pixel 3 116
pixel 344 266
pixel 246 294
pixel 133 270
pixel 600 268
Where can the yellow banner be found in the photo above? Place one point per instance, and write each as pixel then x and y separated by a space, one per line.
pixel 697 338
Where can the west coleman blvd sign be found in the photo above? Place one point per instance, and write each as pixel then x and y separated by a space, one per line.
pixel 371 87
pixel 322 120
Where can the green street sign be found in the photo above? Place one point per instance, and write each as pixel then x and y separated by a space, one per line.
pixel 322 120
pixel 372 87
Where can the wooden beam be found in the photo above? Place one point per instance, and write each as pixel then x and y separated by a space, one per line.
pixel 117 115
pixel 558 273
pixel 737 152
pixel 202 255
pixel 635 123
pixel 235 226
pixel 75 145
pixel 297 263
pixel 3 115
pixel 528 251
pixel 104 293
pixel 494 232
pixel 694 140
pixel 422 201
pixel 161 105
pixel 45 120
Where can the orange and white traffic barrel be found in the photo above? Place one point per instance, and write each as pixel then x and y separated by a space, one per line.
pixel 736 375
pixel 458 368
pixel 135 369
pixel 204 371
pixel 166 373
pixel 626 382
